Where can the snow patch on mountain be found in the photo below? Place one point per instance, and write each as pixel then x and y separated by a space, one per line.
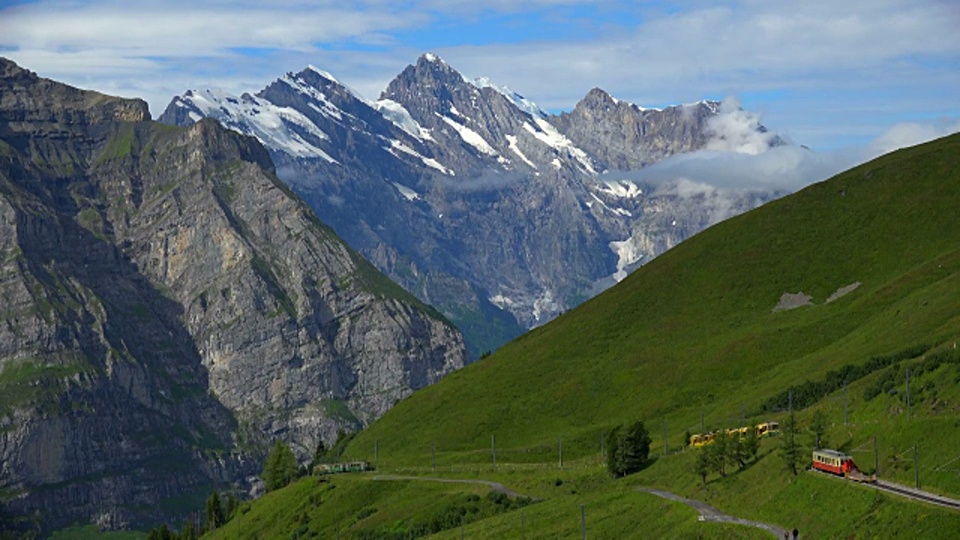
pixel 324 74
pixel 522 103
pixel 512 139
pixel 469 136
pixel 501 301
pixel 619 211
pixel 408 193
pixel 623 189
pixel 396 146
pixel 396 113
pixel 548 135
pixel 326 108
pixel 260 118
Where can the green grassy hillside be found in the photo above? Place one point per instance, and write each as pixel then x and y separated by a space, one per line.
pixel 694 331
pixel 694 337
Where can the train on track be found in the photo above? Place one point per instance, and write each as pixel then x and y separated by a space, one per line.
pixel 840 464
pixel 764 429
pixel 334 468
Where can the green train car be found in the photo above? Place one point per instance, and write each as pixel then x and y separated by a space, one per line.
pixel 334 468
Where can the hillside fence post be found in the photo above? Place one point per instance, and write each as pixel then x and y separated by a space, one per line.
pixel 493 449
pixel 583 521
pixel 560 450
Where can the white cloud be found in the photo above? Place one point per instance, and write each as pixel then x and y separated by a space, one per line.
pixel 822 67
pixel 780 169
pixel 909 134
pixel 736 130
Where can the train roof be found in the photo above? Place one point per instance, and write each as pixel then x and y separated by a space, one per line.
pixel 830 453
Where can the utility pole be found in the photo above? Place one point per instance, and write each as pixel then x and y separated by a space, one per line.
pixel 916 466
pixel 844 402
pixel 876 457
pixel 583 521
pixel 908 394
pixel 560 450
pixel 666 448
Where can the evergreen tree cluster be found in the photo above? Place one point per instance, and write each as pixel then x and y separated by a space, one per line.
pixel 727 450
pixel 628 449
pixel 810 392
pixel 218 513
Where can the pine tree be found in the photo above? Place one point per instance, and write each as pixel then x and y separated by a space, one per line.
pixel 718 452
pixel 628 448
pixel 281 467
pixel 318 455
pixel 615 452
pixel 637 447
pixel 702 466
pixel 231 507
pixel 188 532
pixel 214 512
pixel 790 448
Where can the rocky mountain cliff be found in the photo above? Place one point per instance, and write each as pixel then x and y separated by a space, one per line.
pixel 170 308
pixel 469 195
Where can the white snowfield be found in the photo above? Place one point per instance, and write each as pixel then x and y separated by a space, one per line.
pixel 396 113
pixel 548 135
pixel 470 136
pixel 408 193
pixel 260 118
pixel 522 103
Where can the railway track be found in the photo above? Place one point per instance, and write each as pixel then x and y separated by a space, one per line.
pixel 901 490
pixel 916 494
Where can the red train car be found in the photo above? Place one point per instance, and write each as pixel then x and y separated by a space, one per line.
pixel 832 461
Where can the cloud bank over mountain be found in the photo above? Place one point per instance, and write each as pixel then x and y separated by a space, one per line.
pixel 738 157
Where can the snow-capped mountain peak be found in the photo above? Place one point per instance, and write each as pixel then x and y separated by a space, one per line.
pixel 522 103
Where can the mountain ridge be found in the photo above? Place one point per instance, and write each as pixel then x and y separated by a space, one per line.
pixel 488 187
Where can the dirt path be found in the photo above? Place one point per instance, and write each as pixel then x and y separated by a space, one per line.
pixel 496 486
pixel 709 513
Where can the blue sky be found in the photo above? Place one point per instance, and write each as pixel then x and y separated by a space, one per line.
pixel 826 74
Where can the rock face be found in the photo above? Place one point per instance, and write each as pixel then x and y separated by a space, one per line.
pixel 470 196
pixel 170 308
pixel 622 136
